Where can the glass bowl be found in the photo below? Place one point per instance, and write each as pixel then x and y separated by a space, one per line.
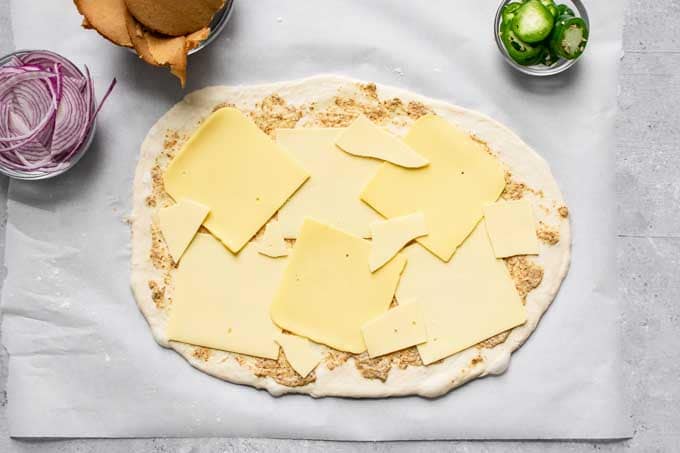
pixel 84 146
pixel 217 24
pixel 538 70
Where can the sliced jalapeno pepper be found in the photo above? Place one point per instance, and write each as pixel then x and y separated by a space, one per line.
pixel 564 10
pixel 509 10
pixel 550 5
pixel 532 22
pixel 569 37
pixel 549 57
pixel 541 57
pixel 522 52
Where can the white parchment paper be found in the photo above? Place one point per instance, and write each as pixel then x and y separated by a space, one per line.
pixel 83 362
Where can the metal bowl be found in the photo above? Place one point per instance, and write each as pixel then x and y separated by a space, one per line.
pixel 538 70
pixel 84 146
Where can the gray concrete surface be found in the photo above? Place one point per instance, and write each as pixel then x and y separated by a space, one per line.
pixel 648 183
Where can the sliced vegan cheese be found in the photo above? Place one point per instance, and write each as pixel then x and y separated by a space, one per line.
pixel 302 354
pixel 365 139
pixel 179 224
pixel 390 236
pixel 465 301
pixel 222 300
pixel 512 228
pixel 399 328
pixel 332 193
pixel 328 293
pixel 232 166
pixel 451 191
pixel 272 243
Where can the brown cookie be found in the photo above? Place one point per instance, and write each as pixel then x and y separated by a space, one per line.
pixel 174 17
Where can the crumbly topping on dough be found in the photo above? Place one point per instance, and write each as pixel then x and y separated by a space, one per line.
pixel 344 109
pixel 370 90
pixel 159 197
pixel 406 358
pixel 379 367
pixel 515 190
pixel 202 353
pixel 526 274
pixel 172 138
pixel 274 112
pixel 563 211
pixel 157 184
pixel 335 359
pixel 494 341
pixel 157 294
pixel 415 110
pixel 546 234
pixel 160 256
pixel 281 371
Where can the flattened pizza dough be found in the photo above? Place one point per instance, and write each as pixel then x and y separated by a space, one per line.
pixel 330 101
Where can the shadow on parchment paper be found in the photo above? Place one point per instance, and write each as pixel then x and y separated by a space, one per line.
pixel 207 67
pixel 146 81
pixel 541 85
pixel 48 193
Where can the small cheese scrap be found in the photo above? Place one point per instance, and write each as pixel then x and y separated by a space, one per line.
pixel 302 354
pixel 465 301
pixel 179 224
pixel 332 193
pixel 328 293
pixel 451 191
pixel 390 236
pixel 365 139
pixel 272 243
pixel 512 228
pixel 232 166
pixel 222 300
pixel 397 329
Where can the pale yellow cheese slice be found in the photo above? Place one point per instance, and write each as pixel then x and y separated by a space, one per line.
pixel 332 193
pixel 328 293
pixel 179 224
pixel 365 139
pixel 272 243
pixel 397 329
pixel 238 171
pixel 390 236
pixel 465 301
pixel 512 228
pixel 302 354
pixel 451 191
pixel 222 300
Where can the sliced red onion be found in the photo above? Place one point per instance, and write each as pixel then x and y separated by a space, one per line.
pixel 47 111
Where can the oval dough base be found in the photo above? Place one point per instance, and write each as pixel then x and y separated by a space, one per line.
pixel 344 378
